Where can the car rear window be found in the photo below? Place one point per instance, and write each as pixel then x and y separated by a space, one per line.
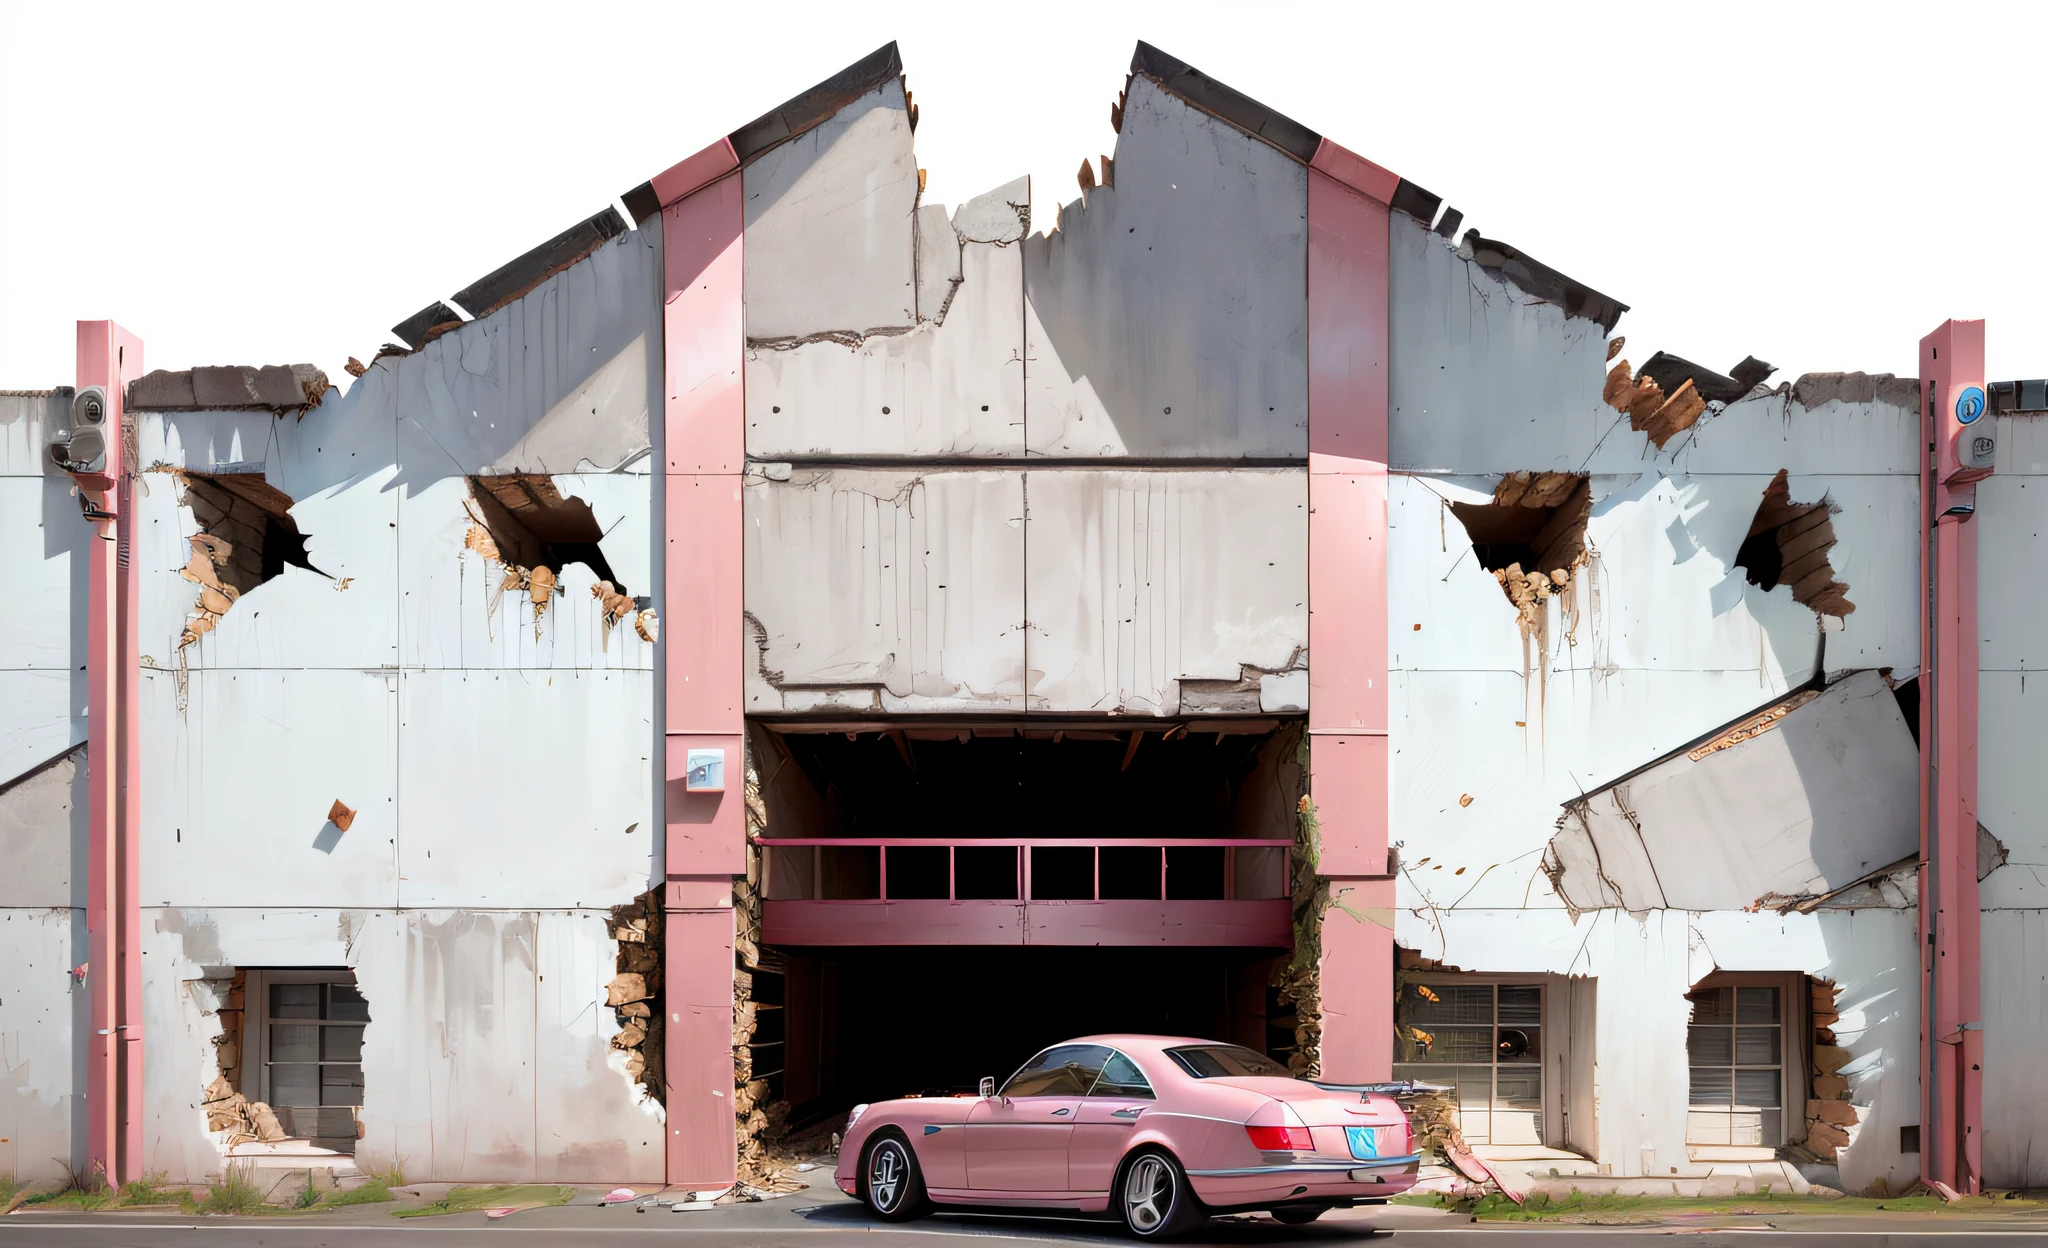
pixel 1213 1061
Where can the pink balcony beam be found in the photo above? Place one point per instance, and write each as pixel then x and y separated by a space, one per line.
pixel 1131 924
pixel 1952 1037
pixel 1348 380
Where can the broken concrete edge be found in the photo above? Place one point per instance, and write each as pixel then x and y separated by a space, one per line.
pixel 634 992
pixel 1540 281
pixel 277 388
pixel 511 280
pixel 1800 694
pixel 7 786
pixel 427 324
pixel 1808 903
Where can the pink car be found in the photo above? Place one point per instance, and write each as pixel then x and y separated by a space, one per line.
pixel 1162 1131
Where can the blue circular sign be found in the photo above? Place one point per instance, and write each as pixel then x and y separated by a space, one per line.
pixel 1969 404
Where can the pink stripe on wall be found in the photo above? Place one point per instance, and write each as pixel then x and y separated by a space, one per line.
pixel 704 414
pixel 1347 719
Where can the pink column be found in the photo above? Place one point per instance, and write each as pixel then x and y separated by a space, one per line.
pixel 704 419
pixel 1347 562
pixel 1952 1038
pixel 110 357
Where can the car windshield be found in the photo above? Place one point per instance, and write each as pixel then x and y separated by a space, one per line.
pixel 1214 1061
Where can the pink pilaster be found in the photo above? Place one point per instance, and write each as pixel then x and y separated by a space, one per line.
pixel 703 336
pixel 1951 1072
pixel 110 357
pixel 1347 487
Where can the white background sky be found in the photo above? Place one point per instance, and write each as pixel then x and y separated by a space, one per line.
pixel 1818 184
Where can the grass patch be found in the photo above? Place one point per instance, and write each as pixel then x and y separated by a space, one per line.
pixel 150 1189
pixel 236 1192
pixel 372 1193
pixel 475 1199
pixel 1609 1208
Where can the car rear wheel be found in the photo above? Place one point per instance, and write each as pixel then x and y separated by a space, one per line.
pixel 891 1183
pixel 1154 1197
pixel 1298 1215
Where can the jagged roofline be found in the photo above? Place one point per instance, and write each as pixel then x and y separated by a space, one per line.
pixel 809 109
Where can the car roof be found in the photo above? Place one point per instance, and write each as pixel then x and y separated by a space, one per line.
pixel 1137 1043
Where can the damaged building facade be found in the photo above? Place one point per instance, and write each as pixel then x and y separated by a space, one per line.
pixel 781 605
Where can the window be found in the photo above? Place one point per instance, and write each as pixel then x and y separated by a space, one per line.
pixel 1068 1070
pixel 1211 1061
pixel 1485 1041
pixel 1121 1077
pixel 313 1054
pixel 1736 1049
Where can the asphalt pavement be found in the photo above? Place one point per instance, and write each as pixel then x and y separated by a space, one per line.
pixel 820 1217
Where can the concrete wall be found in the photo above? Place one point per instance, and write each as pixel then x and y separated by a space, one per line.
pixel 1163 320
pixel 44 1012
pixel 2012 510
pixel 500 759
pixel 1659 639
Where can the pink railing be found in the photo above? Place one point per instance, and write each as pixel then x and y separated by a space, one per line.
pixel 837 870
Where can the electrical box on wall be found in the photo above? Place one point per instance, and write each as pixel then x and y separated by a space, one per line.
pixel 704 771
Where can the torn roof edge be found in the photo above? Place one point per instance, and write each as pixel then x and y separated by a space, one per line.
pixel 1541 281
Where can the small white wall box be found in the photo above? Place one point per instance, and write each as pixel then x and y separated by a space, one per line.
pixel 706 773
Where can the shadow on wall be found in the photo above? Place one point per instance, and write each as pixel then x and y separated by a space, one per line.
pixel 1714 515
pixel 1171 302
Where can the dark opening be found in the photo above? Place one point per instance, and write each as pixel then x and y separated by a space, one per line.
pixel 1760 560
pixel 1017 782
pixel 533 525
pixel 1536 524
pixel 1908 694
pixel 870 1024
pixel 985 873
pixel 254 518
pixel 1062 874
pixel 1788 544
pixel 917 874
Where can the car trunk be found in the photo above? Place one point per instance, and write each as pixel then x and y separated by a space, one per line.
pixel 1331 1115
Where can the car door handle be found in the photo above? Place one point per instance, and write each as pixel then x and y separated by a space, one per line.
pixel 1125 1113
pixel 1058 1112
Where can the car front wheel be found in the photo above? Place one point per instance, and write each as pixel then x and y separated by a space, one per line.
pixel 1154 1197
pixel 891 1183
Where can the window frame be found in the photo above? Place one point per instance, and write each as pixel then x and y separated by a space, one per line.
pixel 1005 1093
pixel 257 983
pixel 1150 1094
pixel 1794 1064
pixel 1552 1086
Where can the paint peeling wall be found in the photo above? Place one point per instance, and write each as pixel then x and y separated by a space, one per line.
pixel 498 755
pixel 45 1014
pixel 2012 513
pixel 1163 320
pixel 42 651
pixel 1659 638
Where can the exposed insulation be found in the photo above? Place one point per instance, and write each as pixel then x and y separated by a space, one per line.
pixel 1649 409
pixel 1532 537
pixel 634 993
pixel 1831 1120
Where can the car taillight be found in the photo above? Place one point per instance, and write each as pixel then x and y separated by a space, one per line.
pixel 1280 1139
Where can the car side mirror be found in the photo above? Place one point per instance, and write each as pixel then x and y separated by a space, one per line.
pixel 988 1087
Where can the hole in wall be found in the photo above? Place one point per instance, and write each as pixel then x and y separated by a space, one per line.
pixel 1788 544
pixel 1532 535
pixel 246 537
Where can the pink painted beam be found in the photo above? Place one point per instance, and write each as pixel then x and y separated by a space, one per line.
pixel 110 356
pixel 1130 924
pixel 1348 378
pixel 697 1055
pixel 1951 1072
pixel 1358 981
pixel 704 440
pixel 694 172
